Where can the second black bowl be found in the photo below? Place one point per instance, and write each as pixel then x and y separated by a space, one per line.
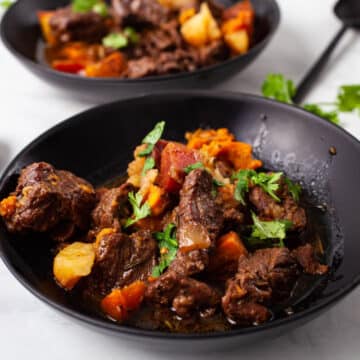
pixel 20 33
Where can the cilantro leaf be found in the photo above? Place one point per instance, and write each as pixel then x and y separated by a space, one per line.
pixel 242 186
pixel 268 182
pixel 101 9
pixel 115 41
pixel 149 164
pixel 168 248
pixel 264 230
pixel 82 6
pixel 6 3
pixel 277 87
pixel 191 167
pixel 294 189
pixel 139 211
pixel 132 35
pixel 331 116
pixel 152 138
pixel 349 98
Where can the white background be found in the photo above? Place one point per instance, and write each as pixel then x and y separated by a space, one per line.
pixel 29 329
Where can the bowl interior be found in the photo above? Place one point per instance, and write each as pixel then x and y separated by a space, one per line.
pixel 98 144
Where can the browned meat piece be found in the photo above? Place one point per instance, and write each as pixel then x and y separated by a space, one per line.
pixel 213 53
pixel 305 256
pixel 190 263
pixel 111 206
pixel 199 217
pixel 269 209
pixel 120 260
pixel 263 278
pixel 142 67
pixel 130 12
pixel 185 295
pixel 50 200
pixel 67 25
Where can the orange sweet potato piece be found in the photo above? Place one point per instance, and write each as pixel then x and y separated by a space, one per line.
pixel 157 199
pixel 111 66
pixel 8 206
pixel 120 302
pixel 202 137
pixel 174 158
pixel 224 260
pixel 44 20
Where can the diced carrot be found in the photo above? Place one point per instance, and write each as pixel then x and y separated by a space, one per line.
pixel 202 137
pixel 44 20
pixel 229 248
pixel 120 302
pixel 157 199
pixel 111 66
pixel 8 206
pixel 233 11
pixel 174 158
pixel 67 66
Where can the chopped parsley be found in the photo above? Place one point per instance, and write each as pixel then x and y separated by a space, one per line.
pixel 267 181
pixel 6 3
pixel 139 211
pixel 198 165
pixel 149 164
pixel 277 87
pixel 83 6
pixel 132 35
pixel 294 189
pixel 115 41
pixel 152 138
pixel 268 230
pixel 168 246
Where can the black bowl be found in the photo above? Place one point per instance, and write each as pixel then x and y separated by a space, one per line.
pixel 97 144
pixel 20 33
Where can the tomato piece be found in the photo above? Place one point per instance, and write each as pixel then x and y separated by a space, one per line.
pixel 174 158
pixel 67 66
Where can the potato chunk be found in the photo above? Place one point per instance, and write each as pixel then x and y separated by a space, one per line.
pixel 73 262
pixel 201 29
pixel 238 41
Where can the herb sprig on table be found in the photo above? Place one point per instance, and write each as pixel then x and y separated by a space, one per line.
pixel 5 4
pixel 277 87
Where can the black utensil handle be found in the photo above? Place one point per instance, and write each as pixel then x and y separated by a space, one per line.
pixel 308 81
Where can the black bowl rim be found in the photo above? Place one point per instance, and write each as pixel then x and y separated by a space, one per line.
pixel 155 78
pixel 132 331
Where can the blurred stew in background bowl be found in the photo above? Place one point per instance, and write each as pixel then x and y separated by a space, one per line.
pixel 124 47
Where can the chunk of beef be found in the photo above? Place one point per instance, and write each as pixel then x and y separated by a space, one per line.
pixel 199 221
pixel 50 200
pixel 263 278
pixel 135 12
pixel 199 217
pixel 305 256
pixel 139 68
pixel 184 295
pixel 67 25
pixel 270 209
pixel 120 260
pixel 212 53
pixel 111 206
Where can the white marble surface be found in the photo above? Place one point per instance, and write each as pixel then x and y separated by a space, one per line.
pixel 29 329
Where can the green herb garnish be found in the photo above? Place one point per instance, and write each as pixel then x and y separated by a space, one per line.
pixel 277 87
pixel 198 165
pixel 152 138
pixel 83 6
pixel 6 3
pixel 101 9
pixel 168 248
pixel 294 189
pixel 132 35
pixel 115 41
pixel 139 211
pixel 149 164
pixel 332 116
pixel 242 187
pixel 348 98
pixel 265 230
